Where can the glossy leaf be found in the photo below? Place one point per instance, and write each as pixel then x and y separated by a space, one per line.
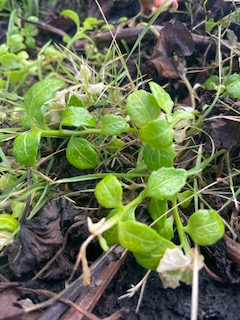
pixel 10 61
pixel 109 192
pixel 205 227
pixel 157 158
pixel 211 83
pixel 233 90
pixel 157 209
pixel 81 154
pixel 35 98
pixel 157 134
pixel 73 16
pixel 113 125
pixel 165 183
pixel 162 97
pixel 25 147
pixel 8 223
pixel 180 115
pixel 77 117
pixel 167 231
pixel 142 107
pixel 75 101
pixel 231 79
pixel 146 244
pixel 163 225
pixel 111 235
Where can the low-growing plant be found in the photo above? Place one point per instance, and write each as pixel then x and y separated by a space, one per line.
pixel 165 239
pixel 150 117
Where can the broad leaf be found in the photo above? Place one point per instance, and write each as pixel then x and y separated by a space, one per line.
pixel 35 98
pixel 157 134
pixel 75 101
pixel 205 227
pixel 113 125
pixel 25 147
pixel 109 192
pixel 185 198
pixel 233 90
pixel 165 183
pixel 156 159
pixel 10 61
pixel 73 16
pixel 162 97
pixel 146 244
pixel 111 235
pixel 8 223
pixel 180 115
pixel 157 209
pixel 81 154
pixel 77 117
pixel 142 107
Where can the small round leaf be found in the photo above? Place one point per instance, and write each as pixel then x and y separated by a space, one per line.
pixel 205 227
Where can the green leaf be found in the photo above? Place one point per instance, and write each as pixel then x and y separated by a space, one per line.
pixel 162 97
pixel 35 98
pixel 109 192
pixel 164 225
pixel 167 231
pixel 185 198
pixel 81 154
pixel 157 134
pixel 113 125
pixel 73 16
pixel 115 145
pixel 211 83
pixel 155 159
pixel 77 117
pixel 142 107
pixel 8 223
pixel 7 181
pixel 75 101
pixel 210 24
pixel 10 61
pixel 25 147
pixel 180 115
pixel 111 235
pixel 158 208
pixel 231 79
pixel 205 227
pixel 165 183
pixel 233 90
pixel 146 244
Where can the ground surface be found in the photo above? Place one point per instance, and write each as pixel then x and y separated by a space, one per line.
pixel 216 301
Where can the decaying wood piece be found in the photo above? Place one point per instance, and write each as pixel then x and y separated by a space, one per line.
pixel 102 271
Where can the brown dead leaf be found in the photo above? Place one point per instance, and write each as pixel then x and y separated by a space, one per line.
pixel 10 305
pixel 174 40
pixel 38 241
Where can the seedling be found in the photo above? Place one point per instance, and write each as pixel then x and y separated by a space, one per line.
pixel 153 121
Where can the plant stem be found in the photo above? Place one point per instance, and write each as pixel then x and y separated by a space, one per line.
pixel 68 133
pixel 181 233
pixel 135 202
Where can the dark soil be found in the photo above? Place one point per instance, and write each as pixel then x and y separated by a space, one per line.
pixel 217 301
